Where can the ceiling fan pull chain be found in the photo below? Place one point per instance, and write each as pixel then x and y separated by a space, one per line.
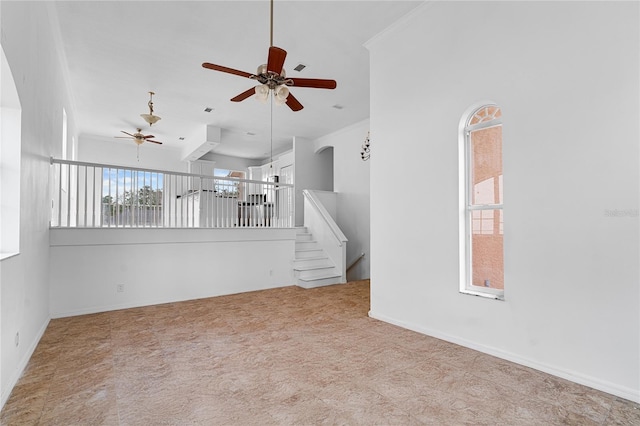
pixel 271 165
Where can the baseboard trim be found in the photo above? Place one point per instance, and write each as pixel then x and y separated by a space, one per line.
pixel 592 382
pixel 17 373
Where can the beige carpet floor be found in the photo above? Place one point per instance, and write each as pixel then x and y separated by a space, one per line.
pixel 286 356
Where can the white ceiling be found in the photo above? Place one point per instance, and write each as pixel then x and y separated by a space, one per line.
pixel 118 51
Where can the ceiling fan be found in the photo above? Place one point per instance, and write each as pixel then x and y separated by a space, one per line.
pixel 138 137
pixel 272 77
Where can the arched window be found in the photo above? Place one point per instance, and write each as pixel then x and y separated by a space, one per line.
pixel 10 152
pixel 481 199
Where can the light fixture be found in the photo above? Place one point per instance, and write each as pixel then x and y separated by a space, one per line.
pixel 279 88
pixel 262 93
pixel 366 148
pixel 150 118
pixel 280 94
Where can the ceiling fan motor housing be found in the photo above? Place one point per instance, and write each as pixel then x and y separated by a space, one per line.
pixel 270 78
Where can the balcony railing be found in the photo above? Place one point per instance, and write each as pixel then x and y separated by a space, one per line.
pixel 90 195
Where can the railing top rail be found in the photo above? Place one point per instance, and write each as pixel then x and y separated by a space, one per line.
pixel 166 172
pixel 337 233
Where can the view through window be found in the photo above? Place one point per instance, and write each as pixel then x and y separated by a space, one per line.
pixel 484 218
pixel 229 188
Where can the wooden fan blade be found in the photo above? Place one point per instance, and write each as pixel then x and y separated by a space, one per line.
pixel 314 83
pixel 293 103
pixel 127 133
pixel 226 69
pixel 149 140
pixel 122 137
pixel 276 59
pixel 244 95
pixel 148 137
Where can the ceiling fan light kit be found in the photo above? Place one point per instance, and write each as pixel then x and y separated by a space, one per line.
pixel 280 95
pixel 262 93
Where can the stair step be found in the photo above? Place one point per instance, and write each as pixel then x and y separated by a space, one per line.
pixel 304 268
pixel 300 237
pixel 311 261
pixel 318 281
pixel 308 253
pixel 319 277
pixel 301 245
pixel 315 273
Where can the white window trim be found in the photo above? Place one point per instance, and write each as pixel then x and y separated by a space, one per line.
pixel 465 207
pixel 10 161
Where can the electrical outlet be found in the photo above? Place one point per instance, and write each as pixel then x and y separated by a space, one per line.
pixel 17 338
pixel 120 288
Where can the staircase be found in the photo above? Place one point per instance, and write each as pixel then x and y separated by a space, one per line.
pixel 311 265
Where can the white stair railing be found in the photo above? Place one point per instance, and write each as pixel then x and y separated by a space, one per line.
pixel 326 232
pixel 92 195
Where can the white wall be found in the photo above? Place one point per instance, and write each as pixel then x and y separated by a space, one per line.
pixel 351 182
pixel 28 42
pixel 231 163
pixel 566 77
pixel 122 152
pixel 311 171
pixel 163 265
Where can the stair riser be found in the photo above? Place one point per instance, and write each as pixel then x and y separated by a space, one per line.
pixel 318 283
pixel 315 274
pixel 308 253
pixel 303 237
pixel 303 245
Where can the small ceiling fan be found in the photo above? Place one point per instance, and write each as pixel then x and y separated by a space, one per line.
pixel 272 77
pixel 138 137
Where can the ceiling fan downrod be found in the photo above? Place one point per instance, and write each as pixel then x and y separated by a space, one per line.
pixel 271 26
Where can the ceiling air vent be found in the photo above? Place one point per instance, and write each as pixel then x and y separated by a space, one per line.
pixel 208 109
pixel 300 67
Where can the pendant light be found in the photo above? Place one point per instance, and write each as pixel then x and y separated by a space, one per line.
pixel 150 118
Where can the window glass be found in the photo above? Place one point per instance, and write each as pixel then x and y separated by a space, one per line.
pixel 487 250
pixel 486 152
pixel 229 188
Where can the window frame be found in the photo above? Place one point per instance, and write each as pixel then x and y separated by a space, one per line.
pixel 10 161
pixel 465 201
